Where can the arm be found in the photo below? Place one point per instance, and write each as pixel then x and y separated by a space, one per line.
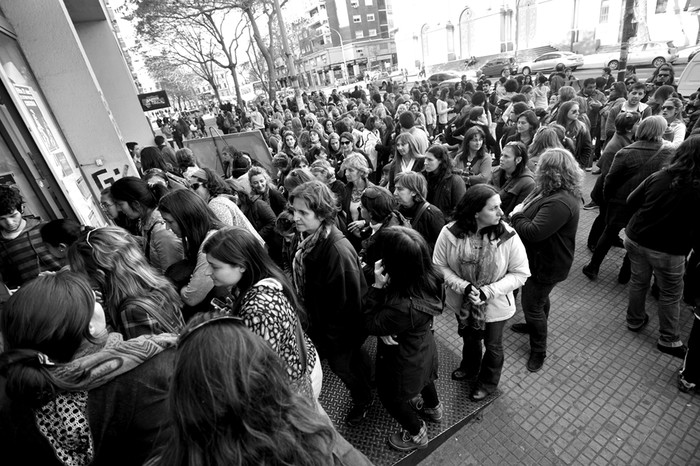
pixel 550 217
pixel 616 175
pixel 518 270
pixel 382 319
pixel 440 256
pixel 166 248
pixel 636 197
pixel 485 171
pixel 200 283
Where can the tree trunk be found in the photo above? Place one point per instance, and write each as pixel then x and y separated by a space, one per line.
pixel 239 98
pixel 265 51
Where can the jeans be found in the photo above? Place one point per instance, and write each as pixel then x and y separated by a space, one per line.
pixel 490 365
pixel 668 270
pixel 535 300
pixel 352 367
pixel 404 413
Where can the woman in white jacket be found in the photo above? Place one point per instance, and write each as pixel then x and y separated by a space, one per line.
pixel 482 261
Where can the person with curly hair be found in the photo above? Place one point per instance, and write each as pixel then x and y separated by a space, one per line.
pixel 547 222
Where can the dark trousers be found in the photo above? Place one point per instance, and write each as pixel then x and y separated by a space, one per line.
pixel 535 300
pixel 404 413
pixel 607 238
pixel 489 364
pixel 691 365
pixel 597 227
pixel 352 366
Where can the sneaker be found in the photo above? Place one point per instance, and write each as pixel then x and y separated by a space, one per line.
pixel 590 206
pixel 431 414
pixel 357 414
pixel 676 351
pixel 589 169
pixel 640 326
pixel 404 441
pixel 590 272
pixel 684 385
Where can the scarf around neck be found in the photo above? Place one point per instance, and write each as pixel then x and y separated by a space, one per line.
pixel 64 420
pixel 305 248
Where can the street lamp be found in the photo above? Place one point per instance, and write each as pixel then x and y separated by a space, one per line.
pixel 342 51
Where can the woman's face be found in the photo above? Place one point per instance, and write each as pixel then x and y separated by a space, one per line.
pixel 668 111
pixel 305 219
pixel 522 125
pixel 414 108
pixel 573 113
pixel 314 138
pixel 128 210
pixel 109 207
pixel 424 99
pixel 289 140
pixel 404 196
pixel 491 214
pixel 171 224
pixel 334 144
pixel 345 146
pixel 508 160
pixel 431 163
pixel 476 142
pixel 223 274
pixel 402 148
pixel 200 190
pixel 352 174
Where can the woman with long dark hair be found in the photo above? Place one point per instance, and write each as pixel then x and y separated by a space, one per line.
pixel 189 217
pixel 400 309
pixel 547 222
pixel 482 261
pixel 72 392
pixel 473 163
pixel 408 158
pixel 139 201
pixel 514 180
pixel 526 127
pixel 577 131
pixel 445 189
pixel 664 202
pixel 137 299
pixel 266 301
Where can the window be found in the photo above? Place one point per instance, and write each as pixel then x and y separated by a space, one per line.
pixel 359 35
pixel 370 17
pixel 369 2
pixel 355 3
pixel 357 19
pixel 661 6
pixel 372 32
pixel 604 10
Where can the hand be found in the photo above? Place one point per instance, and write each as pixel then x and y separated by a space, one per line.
pixel 356 226
pixel 389 340
pixel 475 296
pixel 517 209
pixel 380 278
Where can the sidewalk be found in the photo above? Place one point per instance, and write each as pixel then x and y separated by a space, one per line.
pixel 605 395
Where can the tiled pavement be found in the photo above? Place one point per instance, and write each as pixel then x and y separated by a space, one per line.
pixel 605 394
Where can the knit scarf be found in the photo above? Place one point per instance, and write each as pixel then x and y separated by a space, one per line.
pixel 305 248
pixel 64 420
pixel 479 267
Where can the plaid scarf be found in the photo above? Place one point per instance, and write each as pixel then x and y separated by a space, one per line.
pixel 64 420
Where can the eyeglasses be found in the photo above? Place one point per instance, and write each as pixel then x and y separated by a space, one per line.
pixel 195 186
pixel 218 317
pixel 664 75
pixel 346 143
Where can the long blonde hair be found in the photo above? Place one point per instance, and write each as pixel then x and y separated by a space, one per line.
pixel 113 261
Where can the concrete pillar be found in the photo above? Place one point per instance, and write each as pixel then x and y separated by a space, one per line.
pixel 48 38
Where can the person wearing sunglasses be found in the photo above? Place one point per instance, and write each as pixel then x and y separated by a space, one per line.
pixel 672 111
pixel 328 278
pixel 74 392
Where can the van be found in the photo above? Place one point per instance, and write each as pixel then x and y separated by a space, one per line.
pixel 689 81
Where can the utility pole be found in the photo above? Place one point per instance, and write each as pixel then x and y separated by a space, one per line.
pixel 628 31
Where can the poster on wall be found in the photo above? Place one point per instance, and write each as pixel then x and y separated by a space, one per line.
pixel 27 96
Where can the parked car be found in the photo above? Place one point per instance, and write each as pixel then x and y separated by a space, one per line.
pixel 495 66
pixel 550 60
pixel 437 78
pixel 642 54
pixel 689 81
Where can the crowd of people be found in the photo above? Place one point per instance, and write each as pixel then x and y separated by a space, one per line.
pixel 193 328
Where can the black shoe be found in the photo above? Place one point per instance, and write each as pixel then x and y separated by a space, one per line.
pixel 590 206
pixel 536 361
pixel 461 374
pixel 641 326
pixel 591 247
pixel 625 274
pixel 677 351
pixel 520 328
pixel 590 272
pixel 357 414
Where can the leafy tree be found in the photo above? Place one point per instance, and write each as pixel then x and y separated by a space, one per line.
pixel 177 81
